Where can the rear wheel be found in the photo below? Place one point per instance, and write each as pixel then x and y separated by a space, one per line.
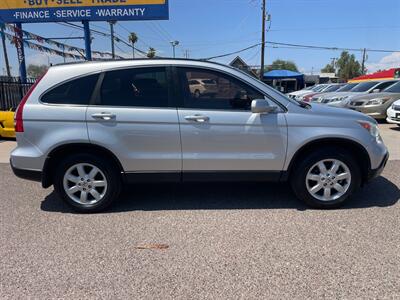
pixel 326 178
pixel 87 183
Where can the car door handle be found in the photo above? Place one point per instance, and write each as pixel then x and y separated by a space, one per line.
pixel 104 116
pixel 197 118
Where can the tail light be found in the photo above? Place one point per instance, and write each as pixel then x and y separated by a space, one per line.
pixel 18 120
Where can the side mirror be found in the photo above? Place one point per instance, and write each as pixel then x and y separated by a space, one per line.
pixel 376 90
pixel 261 106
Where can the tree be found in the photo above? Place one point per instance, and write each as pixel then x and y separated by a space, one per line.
pixel 329 68
pixel 151 53
pixel 133 38
pixel 348 66
pixel 280 64
pixel 36 71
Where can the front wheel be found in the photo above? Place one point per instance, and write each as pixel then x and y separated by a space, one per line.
pixel 87 183
pixel 326 178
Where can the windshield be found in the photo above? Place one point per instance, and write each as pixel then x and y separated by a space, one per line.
pixel 365 86
pixel 319 87
pixel 333 88
pixel 347 87
pixel 395 88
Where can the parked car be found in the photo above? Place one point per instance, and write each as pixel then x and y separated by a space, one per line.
pixel 363 88
pixel 321 89
pixel 376 105
pixel 308 90
pixel 7 124
pixel 201 87
pixel 89 128
pixel 332 88
pixel 393 113
pixel 325 97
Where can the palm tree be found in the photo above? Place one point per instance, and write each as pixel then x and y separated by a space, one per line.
pixel 133 38
pixel 151 53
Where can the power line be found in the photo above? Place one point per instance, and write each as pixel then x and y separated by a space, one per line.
pixel 299 46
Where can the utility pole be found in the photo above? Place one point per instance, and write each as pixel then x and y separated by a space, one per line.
pixel 112 23
pixel 174 44
pixel 263 39
pixel 3 39
pixel 186 54
pixel 363 61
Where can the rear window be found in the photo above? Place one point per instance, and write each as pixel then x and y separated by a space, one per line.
pixel 77 91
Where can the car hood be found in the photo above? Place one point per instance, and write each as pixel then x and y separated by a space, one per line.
pixel 300 93
pixel 324 110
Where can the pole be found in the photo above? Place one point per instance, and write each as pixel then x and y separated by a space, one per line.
pixel 263 40
pixel 363 61
pixel 88 40
pixel 21 53
pixel 173 47
pixel 3 39
pixel 112 38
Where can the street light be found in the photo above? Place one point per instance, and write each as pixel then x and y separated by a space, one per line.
pixel 174 44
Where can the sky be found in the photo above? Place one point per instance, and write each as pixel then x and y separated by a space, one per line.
pixel 207 28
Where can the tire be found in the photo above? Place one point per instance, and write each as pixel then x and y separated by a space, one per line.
pixel 308 169
pixel 197 94
pixel 101 188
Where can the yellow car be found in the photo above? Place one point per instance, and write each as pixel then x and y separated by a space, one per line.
pixel 7 129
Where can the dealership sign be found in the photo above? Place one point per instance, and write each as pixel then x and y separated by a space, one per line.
pixel 37 11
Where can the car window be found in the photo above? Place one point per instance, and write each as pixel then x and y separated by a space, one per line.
pixel 384 85
pixel 347 87
pixel 332 88
pixel 364 86
pixel 395 88
pixel 218 91
pixel 141 87
pixel 77 91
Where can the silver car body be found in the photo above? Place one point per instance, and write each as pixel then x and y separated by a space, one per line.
pixel 157 140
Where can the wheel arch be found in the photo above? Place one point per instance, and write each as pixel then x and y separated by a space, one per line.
pixel 62 150
pixel 358 151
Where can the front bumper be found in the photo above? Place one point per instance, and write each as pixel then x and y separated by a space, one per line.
pixel 393 116
pixel 376 112
pixel 378 171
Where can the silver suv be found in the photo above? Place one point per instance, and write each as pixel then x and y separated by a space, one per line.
pixel 89 128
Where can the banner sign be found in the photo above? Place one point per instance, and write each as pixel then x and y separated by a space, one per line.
pixel 38 11
pixel 61 46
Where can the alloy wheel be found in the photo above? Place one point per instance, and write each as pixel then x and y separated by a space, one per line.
pixel 328 179
pixel 85 184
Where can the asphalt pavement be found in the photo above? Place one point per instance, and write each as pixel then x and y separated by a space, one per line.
pixel 249 241
pixel 199 241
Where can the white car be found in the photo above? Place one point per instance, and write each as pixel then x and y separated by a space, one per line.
pixel 202 87
pixel 306 91
pixel 393 113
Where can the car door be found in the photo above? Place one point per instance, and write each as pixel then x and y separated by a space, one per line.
pixel 133 117
pixel 220 133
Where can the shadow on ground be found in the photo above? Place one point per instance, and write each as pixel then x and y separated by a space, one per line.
pixel 216 196
pixel 395 128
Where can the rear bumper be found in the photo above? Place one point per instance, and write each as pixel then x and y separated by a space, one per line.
pixel 32 175
pixel 378 171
